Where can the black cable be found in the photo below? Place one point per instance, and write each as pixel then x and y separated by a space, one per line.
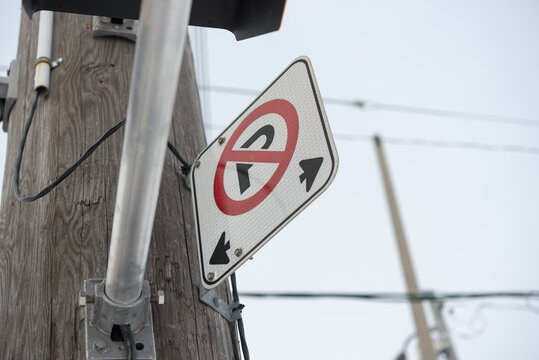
pixel 185 168
pixel 129 342
pixel 185 165
pixel 407 341
pixel 66 173
pixel 448 113
pixel 241 329
pixel 462 145
pixel 366 105
pixel 429 143
pixel 398 297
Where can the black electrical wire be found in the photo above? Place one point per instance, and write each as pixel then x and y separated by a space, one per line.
pixel 66 173
pixel 127 334
pixel 407 341
pixel 469 145
pixel 185 165
pixel 241 329
pixel 16 175
pixel 462 145
pixel 367 104
pixel 395 297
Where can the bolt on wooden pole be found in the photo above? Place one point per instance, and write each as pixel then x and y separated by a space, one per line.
pixel 48 247
pixel 423 332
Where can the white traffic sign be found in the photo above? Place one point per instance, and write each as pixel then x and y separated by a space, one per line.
pixel 266 167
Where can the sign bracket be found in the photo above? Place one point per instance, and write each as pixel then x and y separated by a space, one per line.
pixel 101 316
pixel 231 312
pixel 110 26
pixel 8 92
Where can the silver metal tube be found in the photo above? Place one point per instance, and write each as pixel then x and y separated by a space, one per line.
pixel 158 55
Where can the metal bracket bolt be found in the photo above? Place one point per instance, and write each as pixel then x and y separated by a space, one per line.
pixel 101 315
pixel 8 92
pixel 106 26
pixel 57 62
pixel 231 312
pixel 159 298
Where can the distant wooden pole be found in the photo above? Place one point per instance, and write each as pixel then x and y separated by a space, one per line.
pixel 423 333
pixel 48 247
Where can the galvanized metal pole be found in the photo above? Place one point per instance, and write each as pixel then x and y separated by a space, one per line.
pixel 158 55
pixel 423 333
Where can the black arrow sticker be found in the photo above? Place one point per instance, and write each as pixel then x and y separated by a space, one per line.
pixel 219 256
pixel 243 176
pixel 310 170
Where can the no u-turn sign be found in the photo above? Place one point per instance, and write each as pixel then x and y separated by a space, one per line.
pixel 265 168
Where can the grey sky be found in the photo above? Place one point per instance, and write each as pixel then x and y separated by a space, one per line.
pixel 470 215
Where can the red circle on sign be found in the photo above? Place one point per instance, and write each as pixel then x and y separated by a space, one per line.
pixel 237 207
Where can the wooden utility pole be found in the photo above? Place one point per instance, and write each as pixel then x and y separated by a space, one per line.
pixel 423 332
pixel 48 247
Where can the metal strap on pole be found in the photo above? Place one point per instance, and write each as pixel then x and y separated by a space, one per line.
pixel 158 55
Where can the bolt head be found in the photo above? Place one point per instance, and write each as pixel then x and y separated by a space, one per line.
pixel 211 276
pixel 82 300
pixel 238 252
pixel 160 297
pixel 197 163
pixel 101 346
pixel 221 140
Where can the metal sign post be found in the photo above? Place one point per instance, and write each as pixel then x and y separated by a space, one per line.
pixel 124 298
pixel 158 56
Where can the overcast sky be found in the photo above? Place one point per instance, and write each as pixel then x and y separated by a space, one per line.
pixel 470 215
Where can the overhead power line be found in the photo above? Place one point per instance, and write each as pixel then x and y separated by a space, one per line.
pixel 396 297
pixel 444 144
pixel 374 105
pixel 427 142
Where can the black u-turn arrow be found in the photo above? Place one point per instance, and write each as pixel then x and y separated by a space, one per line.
pixel 268 131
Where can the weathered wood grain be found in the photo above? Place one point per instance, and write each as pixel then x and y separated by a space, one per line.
pixel 48 247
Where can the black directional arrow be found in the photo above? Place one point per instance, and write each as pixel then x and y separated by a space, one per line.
pixel 243 176
pixel 219 256
pixel 310 170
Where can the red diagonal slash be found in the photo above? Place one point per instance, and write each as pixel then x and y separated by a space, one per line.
pixel 237 207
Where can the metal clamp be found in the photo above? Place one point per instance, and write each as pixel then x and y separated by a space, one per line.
pixel 106 26
pixel 8 92
pixel 102 316
pixel 230 312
